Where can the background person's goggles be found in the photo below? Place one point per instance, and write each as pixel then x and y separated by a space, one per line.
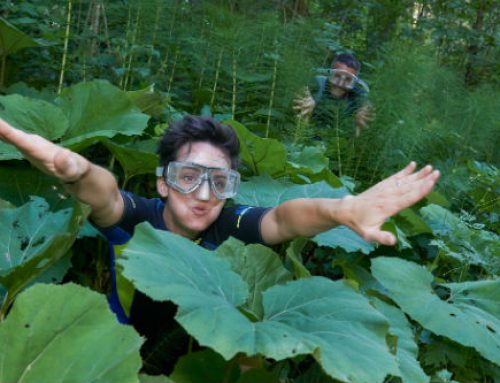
pixel 342 79
pixel 187 177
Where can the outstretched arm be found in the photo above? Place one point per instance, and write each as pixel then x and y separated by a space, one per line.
pixel 364 213
pixel 86 181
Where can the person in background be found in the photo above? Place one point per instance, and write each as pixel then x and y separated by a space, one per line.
pixel 341 89
pixel 197 173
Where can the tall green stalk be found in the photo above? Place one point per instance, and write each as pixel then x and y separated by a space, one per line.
pixel 233 101
pixel 271 97
pixel 155 32
pixel 172 73
pixel 128 76
pixel 337 132
pixel 216 80
pixel 65 50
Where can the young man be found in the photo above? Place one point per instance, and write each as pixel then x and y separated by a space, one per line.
pixel 342 89
pixel 198 158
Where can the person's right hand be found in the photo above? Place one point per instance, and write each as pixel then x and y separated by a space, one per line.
pixel 305 104
pixel 50 158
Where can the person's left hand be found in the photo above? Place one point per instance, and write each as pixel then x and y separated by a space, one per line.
pixel 367 212
pixel 363 116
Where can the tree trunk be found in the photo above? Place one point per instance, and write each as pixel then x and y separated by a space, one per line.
pixel 471 67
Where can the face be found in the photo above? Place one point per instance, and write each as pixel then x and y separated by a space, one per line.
pixel 336 91
pixel 190 214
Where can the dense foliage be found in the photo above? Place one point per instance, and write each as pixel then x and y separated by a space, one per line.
pixel 105 79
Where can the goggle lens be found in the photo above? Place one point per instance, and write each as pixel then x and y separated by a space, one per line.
pixel 342 79
pixel 187 177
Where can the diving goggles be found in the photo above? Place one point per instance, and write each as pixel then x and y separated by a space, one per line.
pixel 186 177
pixel 342 78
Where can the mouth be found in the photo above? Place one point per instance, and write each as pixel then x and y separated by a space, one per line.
pixel 199 211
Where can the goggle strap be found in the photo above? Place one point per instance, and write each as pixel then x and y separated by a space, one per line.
pixel 159 171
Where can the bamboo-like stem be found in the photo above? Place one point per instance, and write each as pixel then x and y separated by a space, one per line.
pixel 127 33
pixel 106 30
pixel 128 72
pixel 216 80
pixel 271 97
pixel 4 306
pixel 2 69
pixel 337 131
pixel 174 65
pixel 155 32
pixel 207 51
pixel 65 49
pixel 94 27
pixel 233 102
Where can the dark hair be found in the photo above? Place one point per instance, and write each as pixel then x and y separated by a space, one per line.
pixel 348 59
pixel 198 129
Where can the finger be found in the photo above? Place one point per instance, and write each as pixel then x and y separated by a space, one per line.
pixel 10 134
pixel 417 176
pixel 412 193
pixel 382 237
pixel 409 169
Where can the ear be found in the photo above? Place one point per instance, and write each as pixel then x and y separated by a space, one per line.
pixel 161 187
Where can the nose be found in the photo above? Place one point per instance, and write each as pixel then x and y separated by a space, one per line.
pixel 203 191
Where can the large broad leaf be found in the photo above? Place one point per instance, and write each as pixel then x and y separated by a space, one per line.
pixel 84 113
pixel 136 158
pixel 260 155
pixel 19 183
pixel 260 268
pixel 204 366
pixel 407 349
pixel 459 240
pixel 470 316
pixel 345 238
pixel 32 239
pixel 311 158
pixel 33 116
pixel 98 109
pixel 66 334
pixel 265 192
pixel 148 101
pixel 12 39
pixel 310 163
pixel 317 316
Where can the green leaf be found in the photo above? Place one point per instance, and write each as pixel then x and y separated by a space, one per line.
pixel 345 238
pixel 32 116
pixel 293 253
pixel 300 317
pixel 97 109
pixel 309 158
pixel 261 155
pixel 265 192
pixel 470 316
pixel 66 334
pixel 135 158
pixel 19 183
pixel 33 239
pixel 12 39
pixel 412 223
pixel 148 101
pixel 258 375
pixel 154 379
pixel 258 266
pixel 203 286
pixel 203 366
pixel 461 241
pixel 407 349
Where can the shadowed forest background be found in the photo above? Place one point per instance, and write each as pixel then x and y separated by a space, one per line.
pixel 433 72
